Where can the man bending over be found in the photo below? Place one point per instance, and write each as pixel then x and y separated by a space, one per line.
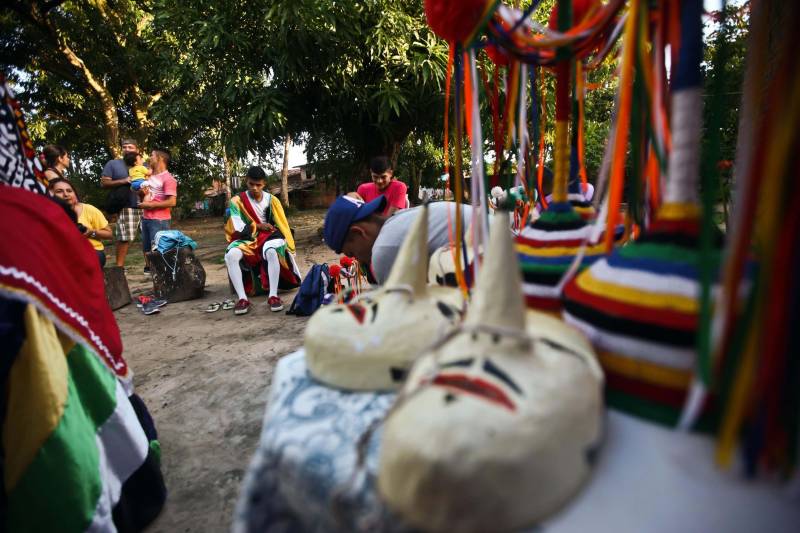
pixel 258 234
pixel 355 229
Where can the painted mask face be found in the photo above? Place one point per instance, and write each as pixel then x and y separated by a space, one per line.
pixel 496 427
pixel 371 342
pixel 442 269
pixel 506 432
pixel 479 377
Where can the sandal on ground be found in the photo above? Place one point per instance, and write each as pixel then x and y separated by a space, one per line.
pixel 212 307
pixel 228 305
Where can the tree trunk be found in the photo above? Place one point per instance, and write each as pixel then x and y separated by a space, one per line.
pixel 110 118
pixel 226 162
pixel 395 151
pixel 96 87
pixel 285 171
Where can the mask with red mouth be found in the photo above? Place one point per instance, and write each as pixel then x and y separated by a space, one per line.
pixel 496 426
pixel 371 342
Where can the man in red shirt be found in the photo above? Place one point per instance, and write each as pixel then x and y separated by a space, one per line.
pixel 383 183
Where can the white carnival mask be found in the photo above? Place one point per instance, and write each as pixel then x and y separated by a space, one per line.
pixel 372 341
pixel 496 425
pixel 442 267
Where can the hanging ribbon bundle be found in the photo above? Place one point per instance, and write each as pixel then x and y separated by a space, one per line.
pixel 640 305
pixel 579 188
pixel 648 306
pixel 758 354
pixel 350 270
pixel 516 40
pixel 459 23
pixel 548 247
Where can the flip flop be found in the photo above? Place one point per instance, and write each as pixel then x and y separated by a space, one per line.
pixel 228 305
pixel 214 306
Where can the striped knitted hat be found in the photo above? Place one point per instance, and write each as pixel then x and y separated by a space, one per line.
pixel 549 245
pixel 640 305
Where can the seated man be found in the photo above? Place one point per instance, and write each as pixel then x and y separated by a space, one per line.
pixel 384 183
pixel 356 229
pixel 258 233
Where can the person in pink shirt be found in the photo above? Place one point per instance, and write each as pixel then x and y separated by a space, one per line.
pixel 384 183
pixel 163 194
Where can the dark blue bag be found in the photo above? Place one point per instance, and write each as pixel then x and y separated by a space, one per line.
pixel 312 291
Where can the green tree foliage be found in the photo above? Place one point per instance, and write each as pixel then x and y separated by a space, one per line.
pixel 219 83
pixel 733 34
pixel 353 77
pixel 92 73
pixel 419 163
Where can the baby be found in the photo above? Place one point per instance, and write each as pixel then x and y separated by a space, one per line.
pixel 138 174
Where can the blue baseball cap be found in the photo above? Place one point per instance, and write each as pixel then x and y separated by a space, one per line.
pixel 342 213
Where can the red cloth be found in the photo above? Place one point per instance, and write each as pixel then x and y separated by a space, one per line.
pixel 454 20
pixel 395 194
pixel 44 260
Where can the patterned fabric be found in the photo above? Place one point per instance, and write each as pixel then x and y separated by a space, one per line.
pixel 19 166
pixel 71 438
pixel 241 209
pixel 74 298
pixel 76 454
pixel 639 307
pixel 128 223
pixel 547 248
pixel 252 243
pixel 300 476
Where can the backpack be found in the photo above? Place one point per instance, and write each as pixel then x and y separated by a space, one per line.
pixel 166 240
pixel 312 291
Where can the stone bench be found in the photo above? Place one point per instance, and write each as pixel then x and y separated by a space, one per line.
pixel 177 276
pixel 117 292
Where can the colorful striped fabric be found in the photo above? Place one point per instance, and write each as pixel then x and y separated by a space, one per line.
pixel 80 451
pixel 639 306
pixel 71 436
pixel 547 247
pixel 585 209
pixel 256 280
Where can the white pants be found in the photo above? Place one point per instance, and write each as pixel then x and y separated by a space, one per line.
pixel 234 256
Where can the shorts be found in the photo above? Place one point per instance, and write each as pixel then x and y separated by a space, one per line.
pixel 128 223
pixel 150 227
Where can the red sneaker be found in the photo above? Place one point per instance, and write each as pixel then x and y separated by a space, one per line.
pixel 241 307
pixel 275 304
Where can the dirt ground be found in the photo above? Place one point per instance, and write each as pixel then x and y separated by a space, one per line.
pixel 205 376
